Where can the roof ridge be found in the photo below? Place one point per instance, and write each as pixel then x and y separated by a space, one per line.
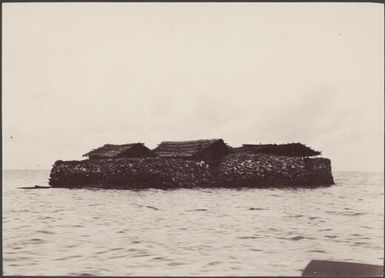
pixel 192 141
pixel 112 147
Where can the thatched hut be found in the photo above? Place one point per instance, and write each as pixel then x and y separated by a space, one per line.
pixel 292 149
pixel 211 150
pixel 109 151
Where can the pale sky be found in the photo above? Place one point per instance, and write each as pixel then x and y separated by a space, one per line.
pixel 79 75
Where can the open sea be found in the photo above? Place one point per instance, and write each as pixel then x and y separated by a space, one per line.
pixel 189 232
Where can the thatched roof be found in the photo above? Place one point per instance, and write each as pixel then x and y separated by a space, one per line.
pixel 186 149
pixel 114 151
pixel 291 149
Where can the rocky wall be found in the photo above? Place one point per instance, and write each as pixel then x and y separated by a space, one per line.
pixel 262 170
pixel 131 173
pixel 235 170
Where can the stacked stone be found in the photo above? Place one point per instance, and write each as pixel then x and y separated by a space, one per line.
pixel 263 170
pixel 131 173
pixel 318 171
pixel 235 170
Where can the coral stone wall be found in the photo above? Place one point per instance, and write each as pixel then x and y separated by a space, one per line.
pixel 263 170
pixel 319 171
pixel 131 173
pixel 235 170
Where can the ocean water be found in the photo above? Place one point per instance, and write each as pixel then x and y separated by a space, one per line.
pixel 189 232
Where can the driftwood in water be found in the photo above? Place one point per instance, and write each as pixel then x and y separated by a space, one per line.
pixel 35 187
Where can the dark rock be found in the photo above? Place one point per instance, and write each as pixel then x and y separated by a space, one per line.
pixel 318 268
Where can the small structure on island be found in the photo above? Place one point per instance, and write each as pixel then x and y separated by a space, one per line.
pixel 209 150
pixel 291 149
pixel 197 163
pixel 109 151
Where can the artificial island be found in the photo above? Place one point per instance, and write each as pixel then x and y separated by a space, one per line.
pixel 197 163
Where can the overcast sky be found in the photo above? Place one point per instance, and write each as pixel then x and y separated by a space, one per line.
pixel 77 76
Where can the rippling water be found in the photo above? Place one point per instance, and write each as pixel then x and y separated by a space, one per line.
pixel 189 232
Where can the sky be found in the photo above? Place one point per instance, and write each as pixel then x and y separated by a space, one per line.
pixel 76 76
